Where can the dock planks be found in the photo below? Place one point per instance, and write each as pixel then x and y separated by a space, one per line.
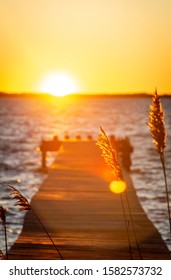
pixel 83 217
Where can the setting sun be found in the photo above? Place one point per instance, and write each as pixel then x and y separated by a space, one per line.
pixel 58 84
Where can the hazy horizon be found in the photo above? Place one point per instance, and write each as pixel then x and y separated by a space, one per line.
pixel 102 94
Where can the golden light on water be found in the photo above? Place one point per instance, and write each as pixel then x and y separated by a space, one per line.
pixel 58 84
pixel 19 180
pixel 117 186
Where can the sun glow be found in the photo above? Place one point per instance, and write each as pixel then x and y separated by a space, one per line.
pixel 58 84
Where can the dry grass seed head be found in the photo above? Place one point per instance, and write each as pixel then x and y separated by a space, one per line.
pixel 110 155
pixel 156 124
pixel 22 202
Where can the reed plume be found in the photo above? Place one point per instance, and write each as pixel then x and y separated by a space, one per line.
pixel 110 155
pixel 3 219
pixel 22 202
pixel 24 205
pixel 156 124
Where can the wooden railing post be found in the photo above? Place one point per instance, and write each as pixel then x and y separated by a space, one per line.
pixel 43 159
pixel 51 145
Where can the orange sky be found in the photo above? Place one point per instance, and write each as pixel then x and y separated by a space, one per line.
pixel 106 46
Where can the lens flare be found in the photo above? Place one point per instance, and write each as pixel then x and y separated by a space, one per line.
pixel 117 186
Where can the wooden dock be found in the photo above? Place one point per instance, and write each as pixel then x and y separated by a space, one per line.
pixel 83 217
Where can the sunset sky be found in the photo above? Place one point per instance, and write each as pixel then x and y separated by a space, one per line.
pixel 103 46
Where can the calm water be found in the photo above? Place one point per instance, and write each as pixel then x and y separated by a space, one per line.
pixel 24 122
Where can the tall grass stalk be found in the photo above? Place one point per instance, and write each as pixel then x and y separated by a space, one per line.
pixel 23 204
pixel 47 233
pixel 110 155
pixel 158 131
pixel 132 223
pixel 127 227
pixel 3 219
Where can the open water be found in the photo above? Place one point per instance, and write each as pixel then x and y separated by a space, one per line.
pixel 25 121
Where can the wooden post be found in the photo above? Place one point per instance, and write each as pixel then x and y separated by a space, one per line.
pixel 51 145
pixel 43 159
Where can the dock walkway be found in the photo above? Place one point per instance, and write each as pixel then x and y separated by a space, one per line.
pixel 83 217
